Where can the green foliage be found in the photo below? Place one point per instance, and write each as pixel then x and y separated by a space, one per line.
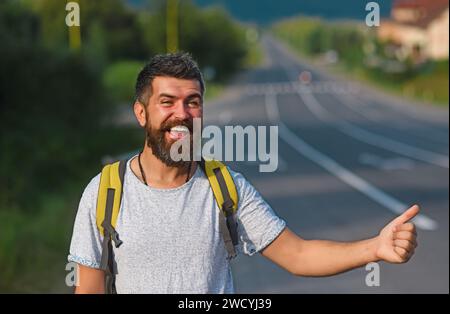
pixel 108 21
pixel 54 109
pixel 213 39
pixel 314 37
pixel 296 31
pixel 429 84
pixel 52 137
pixel 210 35
pixel 49 115
pixel 119 79
pixel 34 243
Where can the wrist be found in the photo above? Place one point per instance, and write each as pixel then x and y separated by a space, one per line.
pixel 373 247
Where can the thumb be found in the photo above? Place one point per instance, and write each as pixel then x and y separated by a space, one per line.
pixel 407 215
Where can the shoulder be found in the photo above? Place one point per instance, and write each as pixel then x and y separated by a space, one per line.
pixel 90 192
pixel 239 179
pixel 244 187
pixel 92 186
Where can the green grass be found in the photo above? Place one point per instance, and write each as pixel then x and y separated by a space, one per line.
pixel 429 86
pixel 34 245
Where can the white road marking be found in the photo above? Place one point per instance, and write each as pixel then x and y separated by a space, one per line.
pixel 386 164
pixel 367 137
pixel 411 111
pixel 345 175
pixel 371 138
pixel 357 107
pixel 374 115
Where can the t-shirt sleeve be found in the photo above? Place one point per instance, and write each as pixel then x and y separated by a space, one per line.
pixel 86 244
pixel 258 224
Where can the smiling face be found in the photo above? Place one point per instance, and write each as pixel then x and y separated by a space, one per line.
pixel 169 114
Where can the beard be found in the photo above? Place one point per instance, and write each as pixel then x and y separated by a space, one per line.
pixel 160 146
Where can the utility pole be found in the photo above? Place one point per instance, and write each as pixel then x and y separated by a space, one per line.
pixel 73 22
pixel 172 25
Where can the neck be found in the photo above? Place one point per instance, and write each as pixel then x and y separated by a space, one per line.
pixel 157 173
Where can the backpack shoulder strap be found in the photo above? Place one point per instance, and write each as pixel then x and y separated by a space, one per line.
pixel 225 193
pixel 110 194
pixel 108 206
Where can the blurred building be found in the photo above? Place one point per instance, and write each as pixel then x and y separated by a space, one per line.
pixel 418 29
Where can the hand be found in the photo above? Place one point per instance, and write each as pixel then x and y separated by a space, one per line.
pixel 397 241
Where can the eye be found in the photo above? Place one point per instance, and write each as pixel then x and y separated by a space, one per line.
pixel 194 103
pixel 166 102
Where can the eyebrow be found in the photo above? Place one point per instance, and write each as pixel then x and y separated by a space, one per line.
pixel 166 95
pixel 194 95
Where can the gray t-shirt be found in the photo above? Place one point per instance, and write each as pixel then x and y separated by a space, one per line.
pixel 171 238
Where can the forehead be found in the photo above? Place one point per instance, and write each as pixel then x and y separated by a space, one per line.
pixel 174 86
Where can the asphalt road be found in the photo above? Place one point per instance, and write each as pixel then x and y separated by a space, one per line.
pixel 350 159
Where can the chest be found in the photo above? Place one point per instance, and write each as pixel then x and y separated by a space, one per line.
pixel 178 224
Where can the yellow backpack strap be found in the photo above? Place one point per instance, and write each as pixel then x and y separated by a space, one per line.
pixel 225 193
pixel 108 206
pixel 110 194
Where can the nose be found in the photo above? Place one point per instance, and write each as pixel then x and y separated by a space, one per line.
pixel 181 111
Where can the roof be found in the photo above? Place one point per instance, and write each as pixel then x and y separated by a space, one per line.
pixel 431 10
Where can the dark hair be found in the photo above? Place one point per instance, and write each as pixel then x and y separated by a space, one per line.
pixel 178 65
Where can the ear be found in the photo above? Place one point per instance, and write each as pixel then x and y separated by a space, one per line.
pixel 139 112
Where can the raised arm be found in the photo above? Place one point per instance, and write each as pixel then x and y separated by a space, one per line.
pixel 315 258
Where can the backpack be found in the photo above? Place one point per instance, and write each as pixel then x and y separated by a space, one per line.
pixel 110 196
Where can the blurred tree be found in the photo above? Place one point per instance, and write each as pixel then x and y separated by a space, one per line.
pixel 52 101
pixel 110 21
pixel 55 105
pixel 210 35
pixel 50 110
pixel 212 38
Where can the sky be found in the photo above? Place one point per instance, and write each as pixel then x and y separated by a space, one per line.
pixel 265 12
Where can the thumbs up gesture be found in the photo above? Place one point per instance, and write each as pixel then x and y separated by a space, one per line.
pixel 398 240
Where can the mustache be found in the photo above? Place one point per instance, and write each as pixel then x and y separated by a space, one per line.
pixel 166 126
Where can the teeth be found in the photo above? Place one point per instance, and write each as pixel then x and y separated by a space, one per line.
pixel 179 128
